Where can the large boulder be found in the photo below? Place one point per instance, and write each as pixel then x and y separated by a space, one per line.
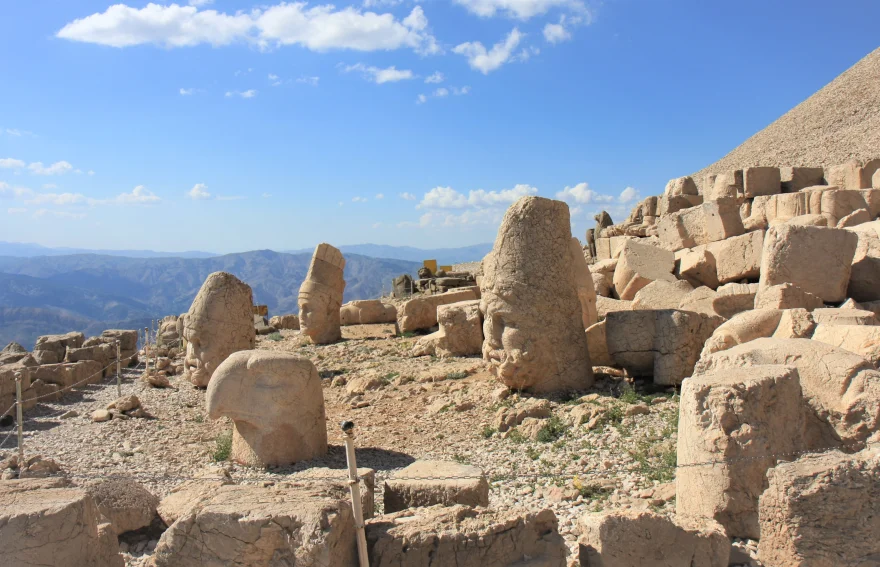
pixel 841 389
pixel 709 222
pixel 533 325
pixel 730 423
pixel 818 260
pixel 426 483
pixel 786 296
pixel 865 264
pixel 742 328
pixel 639 538
pixel 44 525
pixel 460 333
pixel 606 305
pixel 289 322
pixel 126 504
pixel 697 266
pixel 838 316
pixel 598 345
pixel 639 265
pixel 276 403
pixel 662 343
pixel 734 298
pixel 367 312
pixel 759 181
pixel 661 294
pixel 863 340
pixel 465 537
pixel 584 281
pixel 739 257
pixel 219 322
pixel 258 526
pixel 420 313
pixel 852 174
pixel 822 511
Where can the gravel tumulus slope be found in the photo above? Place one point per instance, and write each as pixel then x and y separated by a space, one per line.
pixel 838 123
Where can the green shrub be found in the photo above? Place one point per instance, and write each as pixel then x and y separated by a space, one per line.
pixel 456 375
pixel 222 446
pixel 553 429
pixel 274 336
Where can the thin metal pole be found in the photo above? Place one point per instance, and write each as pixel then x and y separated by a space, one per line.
pixel 19 418
pixel 354 487
pixel 118 373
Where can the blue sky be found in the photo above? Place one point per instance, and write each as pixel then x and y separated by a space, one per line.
pixel 229 125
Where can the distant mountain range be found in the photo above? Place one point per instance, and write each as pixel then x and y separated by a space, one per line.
pixel 27 250
pixel 90 292
pixel 443 256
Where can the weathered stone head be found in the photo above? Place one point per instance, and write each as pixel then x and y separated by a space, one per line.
pixel 218 323
pixel 320 296
pixel 533 325
pixel 276 403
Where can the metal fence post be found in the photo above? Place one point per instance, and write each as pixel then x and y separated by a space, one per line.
pixel 355 488
pixel 147 352
pixel 118 372
pixel 20 419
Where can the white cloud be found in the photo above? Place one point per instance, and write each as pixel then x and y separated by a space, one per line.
pixel 91 172
pixel 461 91
pixel 318 28
pixel 379 196
pixel 555 33
pixel 439 219
pixel 57 168
pixel 441 92
pixel 358 199
pixel 421 99
pixel 15 211
pixel 50 186
pixel 522 9
pixel 373 3
pixel 199 192
pixel 60 199
pixel 11 163
pixel 377 225
pixel 581 193
pixel 250 93
pixel 187 92
pixel 200 2
pixel 341 204
pixel 435 77
pixel 275 80
pixel 407 196
pixel 311 81
pixel 449 198
pixel 486 61
pixel 379 76
pixel 629 195
pixel 140 195
pixel 266 195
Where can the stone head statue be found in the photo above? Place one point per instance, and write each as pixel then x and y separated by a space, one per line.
pixel 276 403
pixel 320 296
pixel 533 327
pixel 218 323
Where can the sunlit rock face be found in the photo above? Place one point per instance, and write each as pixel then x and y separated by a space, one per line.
pixel 320 296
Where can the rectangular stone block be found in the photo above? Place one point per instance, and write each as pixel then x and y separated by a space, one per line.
pixel 760 181
pixel 793 179
pixel 709 222
pixel 739 257
pixel 54 374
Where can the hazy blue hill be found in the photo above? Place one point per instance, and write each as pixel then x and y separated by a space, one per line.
pixel 473 253
pixel 27 250
pixel 41 295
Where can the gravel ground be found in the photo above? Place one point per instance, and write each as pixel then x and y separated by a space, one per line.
pixel 610 447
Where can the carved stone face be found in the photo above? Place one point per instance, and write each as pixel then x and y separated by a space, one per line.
pixel 219 322
pixel 320 296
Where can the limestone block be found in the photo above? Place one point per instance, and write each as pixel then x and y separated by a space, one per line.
pixel 734 298
pixel 795 324
pixel 367 312
pixel 701 300
pixel 60 343
pixel 742 328
pixel 85 372
pixel 841 389
pixel 739 257
pixel 698 267
pixel 603 248
pixel 276 403
pixel 793 179
pixel 606 305
pixel 738 416
pixel 584 282
pixel 855 218
pixel 460 333
pixel 837 316
pixel 709 222
pixel 420 313
pixel 786 296
pixel 59 374
pixel 126 504
pixel 53 526
pixel 818 260
pixel 465 537
pixel 838 203
pixel 663 343
pixel 661 294
pixel 808 220
pixel 426 483
pixel 640 538
pixel 822 511
pixel 851 175
pixel 533 320
pixel 681 186
pixel 255 525
pixel 875 180
pixel 602 283
pixel 100 353
pixel 128 339
pixel 673 204
pixel 639 265
pixel 728 184
pixel 290 322
pixel 863 340
pixel 865 264
pixel 320 295
pixel 598 345
pixel 606 267
pixel 759 181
